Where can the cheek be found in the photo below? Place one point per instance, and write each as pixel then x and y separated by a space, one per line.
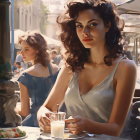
pixel 33 55
pixel 99 33
pixel 79 34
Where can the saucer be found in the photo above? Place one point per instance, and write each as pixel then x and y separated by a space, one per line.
pixel 67 136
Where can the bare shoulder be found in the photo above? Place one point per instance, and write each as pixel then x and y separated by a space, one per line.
pixel 29 70
pixel 127 66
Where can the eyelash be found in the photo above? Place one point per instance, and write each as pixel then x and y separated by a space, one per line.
pixel 79 26
pixel 25 49
pixel 93 24
pixel 90 25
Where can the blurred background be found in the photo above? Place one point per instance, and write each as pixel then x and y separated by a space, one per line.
pixel 40 15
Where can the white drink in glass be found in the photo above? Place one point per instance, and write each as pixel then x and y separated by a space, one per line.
pixel 57 129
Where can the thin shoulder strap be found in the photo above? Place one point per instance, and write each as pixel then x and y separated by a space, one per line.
pixel 50 69
pixel 115 69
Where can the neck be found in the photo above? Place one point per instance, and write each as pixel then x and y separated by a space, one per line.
pixel 33 63
pixel 97 60
pixel 97 56
pixel 36 64
pixel 99 63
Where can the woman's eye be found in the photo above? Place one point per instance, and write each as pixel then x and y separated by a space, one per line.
pixel 92 24
pixel 78 26
pixel 26 50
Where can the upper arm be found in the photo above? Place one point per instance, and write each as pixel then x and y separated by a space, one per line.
pixel 125 85
pixel 57 93
pixel 24 99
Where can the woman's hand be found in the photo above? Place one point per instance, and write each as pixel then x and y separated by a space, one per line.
pixel 76 124
pixel 43 117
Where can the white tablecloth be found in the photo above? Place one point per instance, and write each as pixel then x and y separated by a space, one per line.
pixel 33 133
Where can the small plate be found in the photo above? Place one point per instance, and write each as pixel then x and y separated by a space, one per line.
pixel 11 129
pixel 18 138
pixel 67 136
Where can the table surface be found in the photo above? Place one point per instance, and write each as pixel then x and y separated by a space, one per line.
pixel 33 133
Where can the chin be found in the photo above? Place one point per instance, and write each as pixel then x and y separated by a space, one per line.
pixel 88 46
pixel 25 60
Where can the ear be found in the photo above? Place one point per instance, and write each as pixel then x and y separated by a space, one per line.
pixel 107 27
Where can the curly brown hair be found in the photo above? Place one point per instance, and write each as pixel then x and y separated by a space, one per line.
pixel 78 54
pixel 37 42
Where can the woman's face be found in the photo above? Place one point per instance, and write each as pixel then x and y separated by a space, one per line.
pixel 28 53
pixel 90 29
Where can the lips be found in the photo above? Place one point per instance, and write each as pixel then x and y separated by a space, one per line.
pixel 87 39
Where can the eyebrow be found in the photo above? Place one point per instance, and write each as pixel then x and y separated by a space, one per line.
pixel 26 47
pixel 88 21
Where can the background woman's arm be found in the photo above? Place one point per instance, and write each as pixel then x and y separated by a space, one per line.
pixel 24 99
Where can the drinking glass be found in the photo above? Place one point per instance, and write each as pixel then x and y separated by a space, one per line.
pixel 57 124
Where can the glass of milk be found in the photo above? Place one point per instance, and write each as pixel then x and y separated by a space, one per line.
pixel 57 124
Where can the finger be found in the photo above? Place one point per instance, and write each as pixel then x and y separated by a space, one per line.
pixel 72 125
pixel 45 121
pixel 71 129
pixel 48 114
pixel 47 129
pixel 75 132
pixel 42 121
pixel 74 128
pixel 73 119
pixel 41 126
pixel 69 120
pixel 44 128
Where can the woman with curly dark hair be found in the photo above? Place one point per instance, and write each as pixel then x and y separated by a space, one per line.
pixel 35 82
pixel 98 80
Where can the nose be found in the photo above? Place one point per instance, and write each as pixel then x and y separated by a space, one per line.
pixel 86 31
pixel 21 52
